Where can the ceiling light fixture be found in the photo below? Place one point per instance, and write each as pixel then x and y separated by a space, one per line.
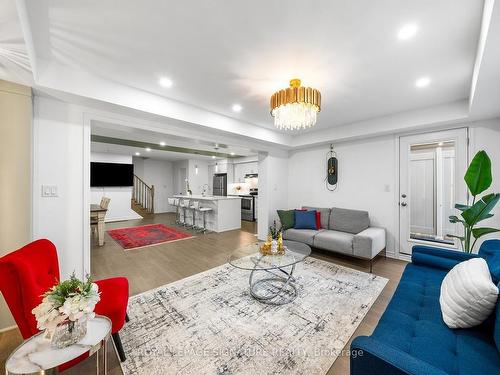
pixel 148 149
pixel 165 82
pixel 213 156
pixel 237 108
pixel 423 82
pixel 232 153
pixel 295 107
pixel 137 154
pixel 162 144
pixel 196 169
pixel 407 31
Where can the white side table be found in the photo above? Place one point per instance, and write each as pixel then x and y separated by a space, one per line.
pixel 36 356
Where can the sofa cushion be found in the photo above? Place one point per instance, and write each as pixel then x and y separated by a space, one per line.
pixel 490 251
pixel 324 212
pixel 332 240
pixel 305 220
pixel 300 235
pixel 350 221
pixel 468 296
pixel 496 332
pixel 412 323
pixel 287 218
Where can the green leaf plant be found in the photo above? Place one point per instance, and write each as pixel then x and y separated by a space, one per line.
pixel 478 179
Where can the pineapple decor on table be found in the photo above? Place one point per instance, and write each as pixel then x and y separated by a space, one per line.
pixel 274 243
pixel 65 309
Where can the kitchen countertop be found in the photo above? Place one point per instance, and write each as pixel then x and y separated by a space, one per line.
pixel 206 198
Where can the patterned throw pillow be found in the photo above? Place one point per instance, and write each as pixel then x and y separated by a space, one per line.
pixel 468 296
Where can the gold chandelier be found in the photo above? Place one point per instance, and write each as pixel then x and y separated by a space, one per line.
pixel 295 107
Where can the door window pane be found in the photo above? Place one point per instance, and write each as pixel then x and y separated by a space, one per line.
pixel 432 176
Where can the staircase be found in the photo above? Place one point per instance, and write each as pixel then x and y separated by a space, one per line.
pixel 143 198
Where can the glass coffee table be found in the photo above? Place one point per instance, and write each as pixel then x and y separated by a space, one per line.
pixel 271 276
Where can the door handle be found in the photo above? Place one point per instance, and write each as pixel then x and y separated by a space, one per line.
pixel 403 204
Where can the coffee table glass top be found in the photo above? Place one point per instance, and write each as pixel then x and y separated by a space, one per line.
pixel 295 252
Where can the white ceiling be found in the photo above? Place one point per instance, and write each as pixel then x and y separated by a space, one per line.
pixel 14 61
pixel 219 53
pixel 111 130
pixel 153 154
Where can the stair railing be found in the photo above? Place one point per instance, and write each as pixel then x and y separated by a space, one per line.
pixel 143 194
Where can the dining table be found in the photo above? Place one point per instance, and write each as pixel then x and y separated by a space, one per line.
pixel 97 214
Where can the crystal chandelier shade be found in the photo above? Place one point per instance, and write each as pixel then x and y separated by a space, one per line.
pixel 295 107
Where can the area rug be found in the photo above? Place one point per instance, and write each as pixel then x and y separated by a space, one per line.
pixel 209 324
pixel 146 235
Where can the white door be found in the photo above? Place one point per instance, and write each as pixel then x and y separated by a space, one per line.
pixel 431 170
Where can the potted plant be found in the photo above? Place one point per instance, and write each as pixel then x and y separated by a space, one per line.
pixel 65 309
pixel 276 238
pixel 478 179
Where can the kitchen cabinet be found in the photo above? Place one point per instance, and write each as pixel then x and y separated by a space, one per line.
pixel 242 169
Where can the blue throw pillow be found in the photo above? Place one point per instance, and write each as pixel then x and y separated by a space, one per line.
pixel 305 220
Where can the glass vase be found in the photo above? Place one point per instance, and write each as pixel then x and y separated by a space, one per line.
pixel 68 333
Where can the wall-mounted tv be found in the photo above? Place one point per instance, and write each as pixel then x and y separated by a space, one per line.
pixel 111 174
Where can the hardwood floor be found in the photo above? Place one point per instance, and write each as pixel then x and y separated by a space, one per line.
pixel 151 267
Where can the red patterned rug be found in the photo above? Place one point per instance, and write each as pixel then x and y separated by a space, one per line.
pixel 146 235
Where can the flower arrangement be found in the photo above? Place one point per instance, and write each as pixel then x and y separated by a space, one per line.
pixel 66 303
pixel 274 243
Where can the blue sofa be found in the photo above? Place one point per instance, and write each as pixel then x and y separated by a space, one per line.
pixel 411 337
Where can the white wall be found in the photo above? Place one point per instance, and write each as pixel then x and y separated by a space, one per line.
pixel 196 181
pixel 119 205
pixel 179 184
pixel 159 173
pixel 274 190
pixel 367 177
pixel 485 135
pixel 61 142
pixel 366 180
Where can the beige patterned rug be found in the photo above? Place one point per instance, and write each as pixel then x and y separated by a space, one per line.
pixel 209 324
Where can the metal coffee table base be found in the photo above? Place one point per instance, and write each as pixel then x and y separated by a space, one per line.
pixel 278 289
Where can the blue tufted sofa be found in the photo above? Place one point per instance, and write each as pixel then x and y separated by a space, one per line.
pixel 411 337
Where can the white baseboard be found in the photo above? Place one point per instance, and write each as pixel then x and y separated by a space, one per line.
pixel 7 328
pixel 124 218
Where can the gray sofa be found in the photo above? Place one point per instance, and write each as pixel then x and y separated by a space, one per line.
pixel 342 231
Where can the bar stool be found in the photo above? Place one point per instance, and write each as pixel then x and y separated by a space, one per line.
pixel 175 202
pixel 195 207
pixel 204 210
pixel 184 204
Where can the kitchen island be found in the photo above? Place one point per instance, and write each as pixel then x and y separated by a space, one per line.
pixel 225 214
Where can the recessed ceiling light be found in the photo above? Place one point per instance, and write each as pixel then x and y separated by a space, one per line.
pixel 165 82
pixel 407 31
pixel 423 82
pixel 162 144
pixel 137 154
pixel 232 153
pixel 148 149
pixel 237 108
pixel 213 156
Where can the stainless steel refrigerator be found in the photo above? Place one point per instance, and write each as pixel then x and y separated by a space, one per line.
pixel 220 184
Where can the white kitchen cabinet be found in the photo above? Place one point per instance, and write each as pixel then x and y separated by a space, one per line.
pixel 242 169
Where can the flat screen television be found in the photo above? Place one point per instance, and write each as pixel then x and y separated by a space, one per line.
pixel 111 174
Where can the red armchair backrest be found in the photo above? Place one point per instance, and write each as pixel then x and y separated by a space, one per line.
pixel 25 275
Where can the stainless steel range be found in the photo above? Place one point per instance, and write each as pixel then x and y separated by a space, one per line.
pixel 247 207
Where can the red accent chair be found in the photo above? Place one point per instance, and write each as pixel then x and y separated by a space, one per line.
pixel 27 273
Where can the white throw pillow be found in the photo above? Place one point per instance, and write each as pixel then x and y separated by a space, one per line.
pixel 468 296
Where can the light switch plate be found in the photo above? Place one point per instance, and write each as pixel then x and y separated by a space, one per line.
pixel 49 190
